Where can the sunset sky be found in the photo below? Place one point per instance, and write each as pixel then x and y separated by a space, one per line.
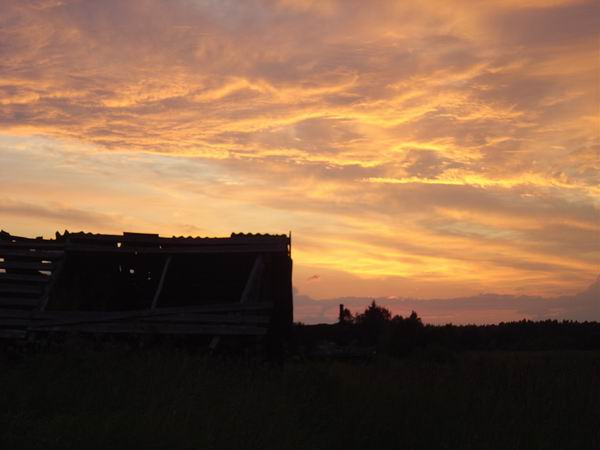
pixel 430 149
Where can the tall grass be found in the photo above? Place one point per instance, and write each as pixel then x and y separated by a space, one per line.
pixel 171 399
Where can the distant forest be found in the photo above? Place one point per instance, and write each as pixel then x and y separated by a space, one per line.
pixel 378 330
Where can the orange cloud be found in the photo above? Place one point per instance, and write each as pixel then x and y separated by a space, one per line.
pixel 424 146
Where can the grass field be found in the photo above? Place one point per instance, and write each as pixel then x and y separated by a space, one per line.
pixel 171 399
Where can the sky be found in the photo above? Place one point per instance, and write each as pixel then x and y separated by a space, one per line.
pixel 416 150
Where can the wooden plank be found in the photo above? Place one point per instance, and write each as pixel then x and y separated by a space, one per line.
pixel 218 308
pixel 15 301
pixel 209 318
pixel 86 316
pixel 43 245
pixel 16 323
pixel 161 282
pixel 221 308
pixel 26 265
pixel 70 319
pixel 135 328
pixel 170 319
pixel 13 334
pixel 99 316
pixel 14 313
pixel 33 254
pixel 55 316
pixel 32 278
pixel 25 314
pixel 20 289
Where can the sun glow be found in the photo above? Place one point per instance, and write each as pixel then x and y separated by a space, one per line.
pixel 447 147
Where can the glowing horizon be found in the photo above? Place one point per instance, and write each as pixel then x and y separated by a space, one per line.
pixel 426 149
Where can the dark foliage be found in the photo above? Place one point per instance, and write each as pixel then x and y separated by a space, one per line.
pixel 373 322
pixel 400 336
pixel 346 316
pixel 166 398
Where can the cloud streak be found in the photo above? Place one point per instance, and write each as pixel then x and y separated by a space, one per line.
pixel 454 146
pixel 481 308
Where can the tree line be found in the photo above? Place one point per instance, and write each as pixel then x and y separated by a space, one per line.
pixel 396 335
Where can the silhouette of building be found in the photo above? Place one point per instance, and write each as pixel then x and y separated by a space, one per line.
pixel 143 283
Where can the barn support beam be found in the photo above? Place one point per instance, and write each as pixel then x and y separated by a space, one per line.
pixel 53 278
pixel 252 286
pixel 161 283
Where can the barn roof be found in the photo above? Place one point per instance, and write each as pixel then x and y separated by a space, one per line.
pixel 153 243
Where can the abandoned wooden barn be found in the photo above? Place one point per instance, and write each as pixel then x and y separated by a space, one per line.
pixel 144 283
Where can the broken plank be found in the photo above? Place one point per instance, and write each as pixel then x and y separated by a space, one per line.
pixel 26 265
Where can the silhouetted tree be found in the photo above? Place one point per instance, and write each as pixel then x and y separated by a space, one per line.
pixel 345 316
pixel 405 334
pixel 373 321
pixel 414 319
pixel 374 314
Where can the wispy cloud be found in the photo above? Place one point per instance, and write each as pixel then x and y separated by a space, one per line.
pixel 481 308
pixel 452 144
